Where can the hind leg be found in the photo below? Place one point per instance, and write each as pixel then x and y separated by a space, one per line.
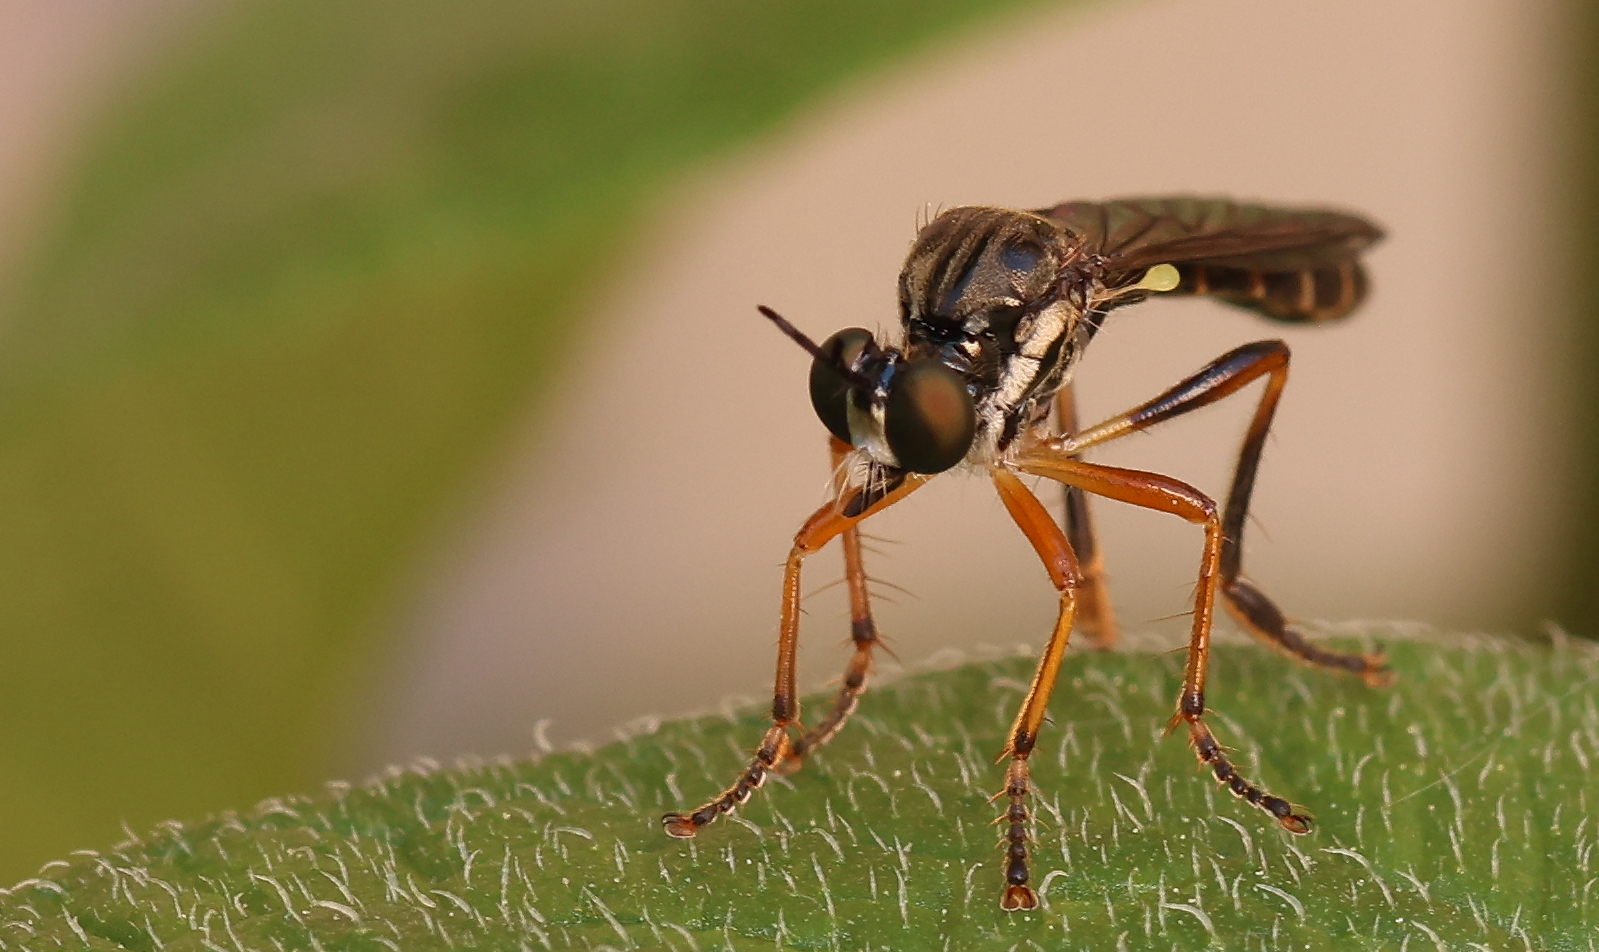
pixel 1248 604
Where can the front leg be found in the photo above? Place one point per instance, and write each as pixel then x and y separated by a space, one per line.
pixel 1061 563
pixel 863 634
pixel 853 504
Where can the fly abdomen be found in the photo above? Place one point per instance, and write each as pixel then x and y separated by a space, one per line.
pixel 1309 295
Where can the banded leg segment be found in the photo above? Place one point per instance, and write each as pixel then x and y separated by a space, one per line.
pixel 1095 616
pixel 1064 573
pixel 863 633
pixel 1162 493
pixel 1220 378
pixel 831 520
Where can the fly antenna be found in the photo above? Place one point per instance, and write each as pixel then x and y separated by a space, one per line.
pixel 834 362
pixel 795 334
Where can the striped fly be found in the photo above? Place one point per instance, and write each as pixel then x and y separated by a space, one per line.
pixel 996 307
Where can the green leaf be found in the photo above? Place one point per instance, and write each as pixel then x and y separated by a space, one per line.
pixel 1454 811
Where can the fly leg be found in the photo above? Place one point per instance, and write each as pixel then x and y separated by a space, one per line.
pixel 1061 564
pixel 863 633
pixel 1221 378
pixel 852 505
pixel 1095 616
pixel 1162 493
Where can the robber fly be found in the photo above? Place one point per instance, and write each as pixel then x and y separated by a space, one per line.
pixel 996 306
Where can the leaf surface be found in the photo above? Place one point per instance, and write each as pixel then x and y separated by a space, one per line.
pixel 1452 809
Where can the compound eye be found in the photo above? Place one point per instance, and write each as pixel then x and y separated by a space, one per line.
pixel 929 419
pixel 830 393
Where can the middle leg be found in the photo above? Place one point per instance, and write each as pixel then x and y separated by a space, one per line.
pixel 1094 613
pixel 1162 493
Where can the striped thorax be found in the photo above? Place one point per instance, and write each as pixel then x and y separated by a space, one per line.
pixel 991 309
pixel 998 295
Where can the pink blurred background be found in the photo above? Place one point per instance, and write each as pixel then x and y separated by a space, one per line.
pixel 628 562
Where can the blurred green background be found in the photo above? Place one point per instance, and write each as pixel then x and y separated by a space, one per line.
pixel 305 272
